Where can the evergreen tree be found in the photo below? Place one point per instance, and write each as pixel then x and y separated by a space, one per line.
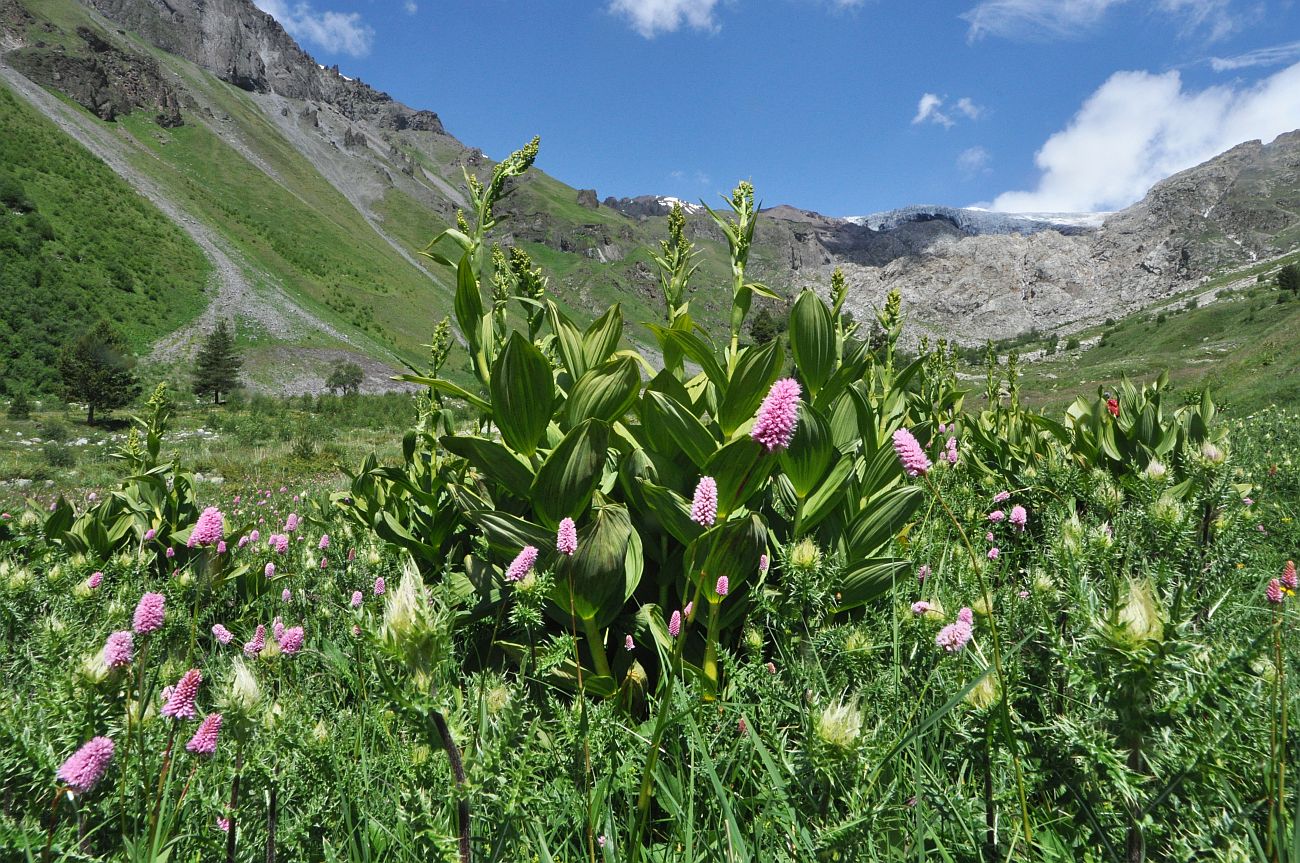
pixel 20 407
pixel 1288 278
pixel 217 368
pixel 98 369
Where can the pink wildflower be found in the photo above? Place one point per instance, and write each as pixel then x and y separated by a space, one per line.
pixel 254 647
pixel 951 450
pixel 324 541
pixel 628 643
pixel 954 636
pixel 277 628
pixel 741 726
pixel 286 595
pixel 209 529
pixel 118 649
pixel 675 624
pixel 1274 592
pixel 221 634
pixel 690 606
pixel 379 586
pixel 149 613
pixel 723 586
pixel 83 770
pixel 523 562
pixel 566 538
pixel 171 552
pixel 352 554
pixel 920 607
pixel 915 462
pixel 181 703
pixel 324 562
pixel 923 573
pixel 96 578
pixel 704 508
pixel 1289 579
pixel 778 416
pixel 993 553
pixel 1019 517
pixel 291 523
pixel 997 515
pixel 356 599
pixel 1001 496
pixel 204 741
pixel 291 640
pixel 243 541
pixel 771 668
pixel 150 534
pixel 966 616
pixel 254 535
pixel 269 570
pixel 223 824
pixel 763 564
pixel 221 547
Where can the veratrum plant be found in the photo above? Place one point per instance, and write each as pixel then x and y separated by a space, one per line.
pixel 568 425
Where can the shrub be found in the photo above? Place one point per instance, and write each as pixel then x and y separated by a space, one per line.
pixel 59 454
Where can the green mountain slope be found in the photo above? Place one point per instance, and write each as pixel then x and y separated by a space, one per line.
pixel 77 244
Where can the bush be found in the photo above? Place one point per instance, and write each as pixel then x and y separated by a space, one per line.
pixel 53 430
pixel 20 407
pixel 59 454
pixel 1072 343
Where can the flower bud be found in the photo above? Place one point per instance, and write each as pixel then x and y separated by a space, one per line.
pixel 840 725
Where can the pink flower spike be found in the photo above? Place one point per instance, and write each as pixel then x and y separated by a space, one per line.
pixel 181 703
pixel 778 415
pixel 324 541
pixel 954 636
pixel 209 529
pixel 704 508
pixel 1289 579
pixel 356 599
pixel 523 562
pixel 675 624
pixel 951 451
pixel 1001 496
pixel 628 643
pixel 258 644
pixel 966 616
pixel 379 586
pixel 291 640
pixel 171 552
pixel 149 613
pixel 221 634
pixel 118 649
pixel 1274 592
pixel 221 547
pixel 324 562
pixel 150 534
pixel 95 580
pixel 915 462
pixel 923 573
pixel 1019 517
pixel 269 570
pixel 286 595
pixel 920 607
pixel 763 564
pixel 997 515
pixel 204 741
pixel 291 523
pixel 993 553
pixel 723 586
pixel 690 606
pixel 277 628
pixel 83 770
pixel 566 538
pixel 223 824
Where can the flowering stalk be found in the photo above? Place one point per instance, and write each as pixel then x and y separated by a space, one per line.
pixel 997 657
pixel 1277 742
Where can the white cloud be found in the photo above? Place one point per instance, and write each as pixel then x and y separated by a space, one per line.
pixel 1071 19
pixel 974 160
pixel 1139 128
pixel 336 32
pixel 1034 19
pixel 969 108
pixel 1273 55
pixel 652 17
pixel 410 7
pixel 927 111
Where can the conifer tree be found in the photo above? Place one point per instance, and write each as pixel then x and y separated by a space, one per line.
pixel 216 369
pixel 1288 278
pixel 98 369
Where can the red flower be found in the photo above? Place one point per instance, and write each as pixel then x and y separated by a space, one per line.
pixel 1112 405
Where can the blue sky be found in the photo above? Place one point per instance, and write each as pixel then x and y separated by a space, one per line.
pixel 841 106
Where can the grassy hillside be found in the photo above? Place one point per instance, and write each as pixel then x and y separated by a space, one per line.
pixel 76 244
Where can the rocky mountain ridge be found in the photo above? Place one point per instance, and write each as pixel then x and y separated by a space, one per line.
pixel 963 273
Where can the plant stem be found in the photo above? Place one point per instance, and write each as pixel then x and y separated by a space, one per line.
pixel 458 771
pixel 997 658
pixel 711 648
pixel 234 803
pixel 596 645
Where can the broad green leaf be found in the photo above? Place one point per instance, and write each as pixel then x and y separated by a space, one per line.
pixel 828 494
pixel 447 388
pixel 695 349
pixel 498 463
pixel 870 579
pixel 812 340
pixel 740 469
pixel 883 520
pixel 604 571
pixel 569 338
pixel 602 336
pixel 468 303
pixel 567 478
pixel 673 428
pixel 731 548
pixel 507 533
pixel 756 370
pixel 671 509
pixel 522 394
pixel 810 451
pixel 605 392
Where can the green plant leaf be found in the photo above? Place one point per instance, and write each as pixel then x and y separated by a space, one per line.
pixel 606 392
pixel 883 519
pixel 671 510
pixel 602 336
pixel 810 451
pixel 569 338
pixel 870 579
pixel 498 463
pixel 695 349
pixel 827 496
pixel 756 370
pixel 567 478
pixel 731 548
pixel 671 428
pixel 507 533
pixel 468 303
pixel 605 570
pixel 740 469
pixel 812 340
pixel 522 393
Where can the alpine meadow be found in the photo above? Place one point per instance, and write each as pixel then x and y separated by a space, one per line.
pixel 368 499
